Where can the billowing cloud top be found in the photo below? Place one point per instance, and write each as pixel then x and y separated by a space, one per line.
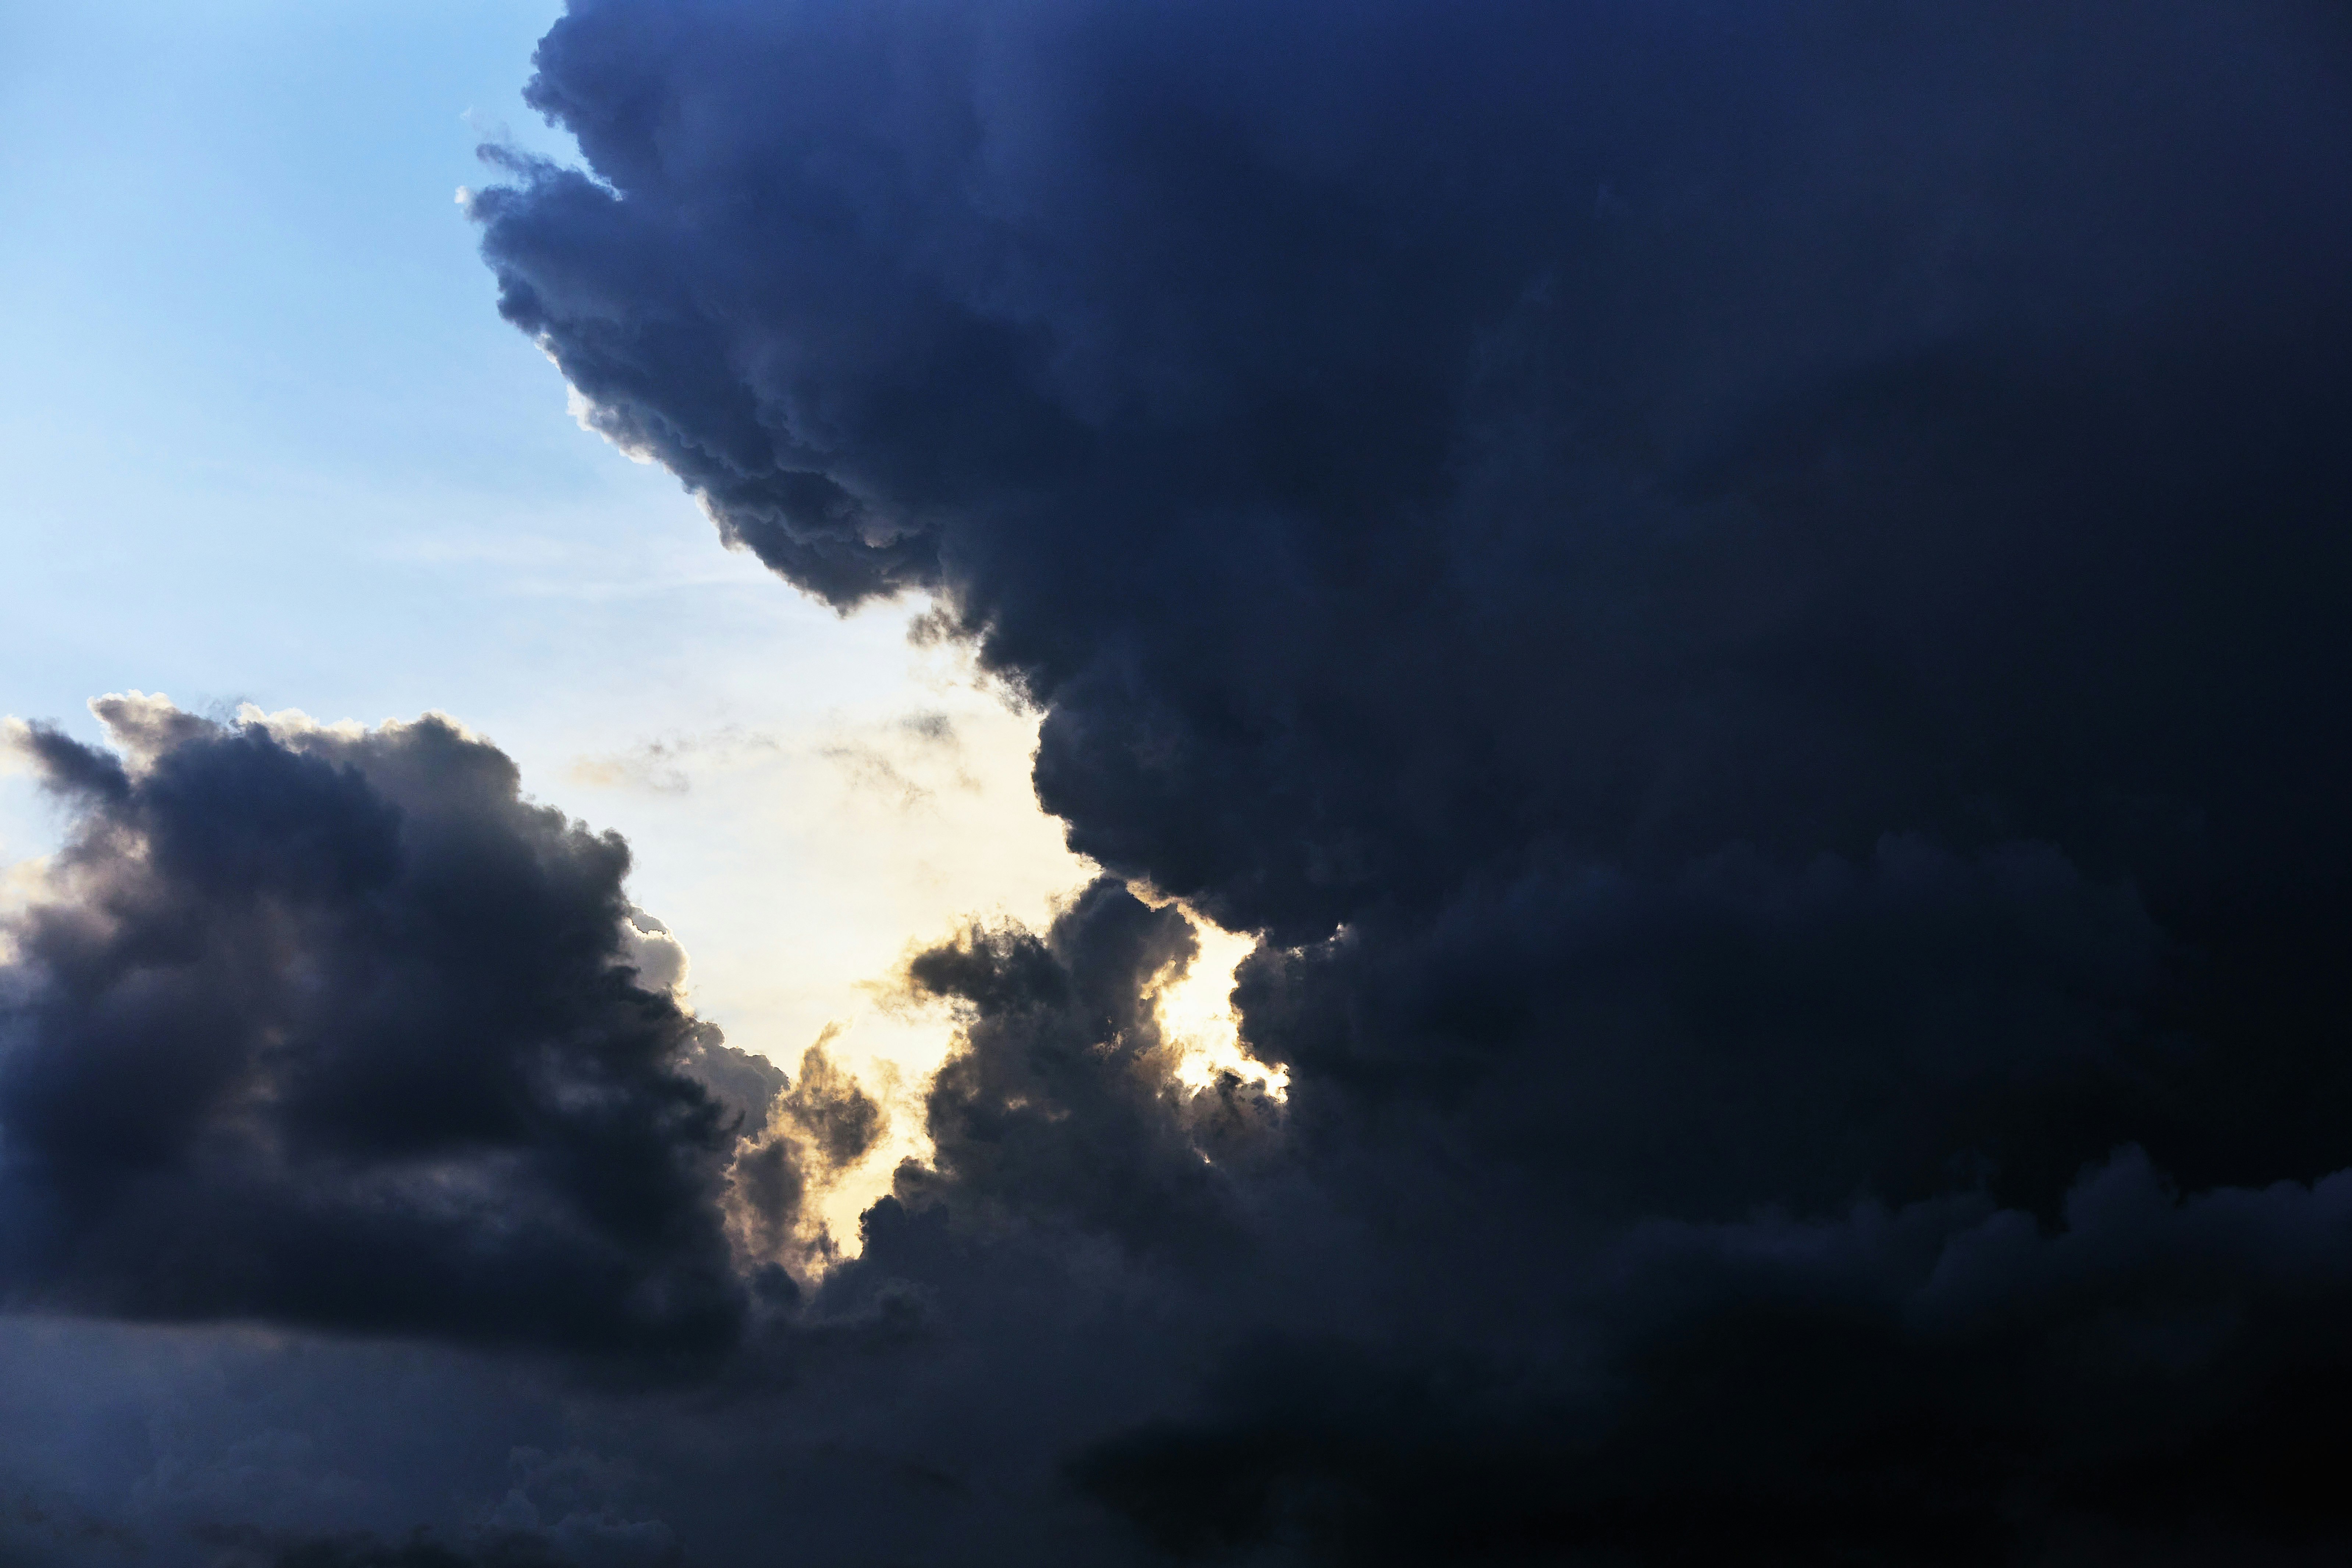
pixel 1745 594
pixel 1388 437
pixel 330 1026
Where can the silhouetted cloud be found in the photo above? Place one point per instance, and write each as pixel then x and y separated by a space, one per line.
pixel 1060 1105
pixel 1742 594
pixel 330 1026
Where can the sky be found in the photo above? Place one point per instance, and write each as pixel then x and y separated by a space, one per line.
pixel 1262 781
pixel 268 442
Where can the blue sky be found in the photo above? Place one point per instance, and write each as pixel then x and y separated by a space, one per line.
pixel 262 428
pixel 265 439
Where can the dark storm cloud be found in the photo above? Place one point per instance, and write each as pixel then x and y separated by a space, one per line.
pixel 416 1551
pixel 1060 1106
pixel 328 1027
pixel 2154 1382
pixel 1749 596
pixel 1381 435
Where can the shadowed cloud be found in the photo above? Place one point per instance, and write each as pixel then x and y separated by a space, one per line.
pixel 1740 594
pixel 1746 600
pixel 330 1026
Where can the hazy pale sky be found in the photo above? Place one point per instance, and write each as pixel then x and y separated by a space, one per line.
pixel 265 439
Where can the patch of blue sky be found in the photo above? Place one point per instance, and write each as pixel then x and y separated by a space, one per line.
pixel 263 437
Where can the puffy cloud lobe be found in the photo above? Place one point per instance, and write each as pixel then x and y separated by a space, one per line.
pixel 1060 1105
pixel 814 1127
pixel 1738 591
pixel 1381 436
pixel 333 1027
pixel 1587 1285
pixel 1742 1033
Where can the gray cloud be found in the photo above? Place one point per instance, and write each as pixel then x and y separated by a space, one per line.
pixel 326 1026
pixel 1743 596
pixel 1735 592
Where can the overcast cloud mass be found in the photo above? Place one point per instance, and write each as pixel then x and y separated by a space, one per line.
pixel 1749 599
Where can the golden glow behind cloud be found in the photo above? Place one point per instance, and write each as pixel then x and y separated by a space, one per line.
pixel 800 856
pixel 1196 1013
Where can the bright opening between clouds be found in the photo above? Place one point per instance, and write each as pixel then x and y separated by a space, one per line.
pixel 798 865
pixel 1196 1013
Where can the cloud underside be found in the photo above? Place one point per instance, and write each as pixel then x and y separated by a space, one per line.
pixel 1750 600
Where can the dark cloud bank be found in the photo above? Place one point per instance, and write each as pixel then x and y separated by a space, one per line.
pixel 1752 599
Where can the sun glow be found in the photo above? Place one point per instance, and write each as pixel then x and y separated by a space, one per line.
pixel 1197 1016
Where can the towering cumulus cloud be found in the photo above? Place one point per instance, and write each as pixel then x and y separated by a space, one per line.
pixel 1750 599
pixel 329 1027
